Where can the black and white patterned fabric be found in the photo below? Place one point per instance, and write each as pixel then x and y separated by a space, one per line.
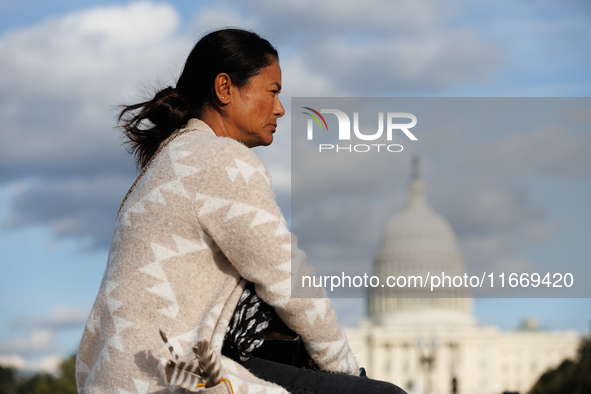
pixel 245 331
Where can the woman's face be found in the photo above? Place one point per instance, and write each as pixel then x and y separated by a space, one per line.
pixel 255 108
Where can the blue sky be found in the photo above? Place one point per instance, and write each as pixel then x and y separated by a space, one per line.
pixel 65 65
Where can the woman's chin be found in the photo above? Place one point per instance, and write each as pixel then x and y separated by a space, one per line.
pixel 268 140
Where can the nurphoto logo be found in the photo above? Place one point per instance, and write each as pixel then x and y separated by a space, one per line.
pixel 345 130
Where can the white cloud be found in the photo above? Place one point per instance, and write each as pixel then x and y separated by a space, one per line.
pixel 96 51
pixel 59 318
pixel 39 341
pixel 48 364
pixel 61 80
pixel 300 80
pixel 12 361
pixel 37 347
pixel 219 17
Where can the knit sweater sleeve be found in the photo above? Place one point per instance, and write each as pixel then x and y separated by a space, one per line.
pixel 237 208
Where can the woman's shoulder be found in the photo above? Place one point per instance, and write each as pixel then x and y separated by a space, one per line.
pixel 221 152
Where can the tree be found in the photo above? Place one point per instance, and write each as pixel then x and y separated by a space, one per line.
pixel 66 381
pixel 11 382
pixel 573 377
pixel 8 380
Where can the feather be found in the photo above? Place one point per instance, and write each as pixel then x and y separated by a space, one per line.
pixel 209 365
pixel 187 375
pixel 178 373
pixel 168 345
pixel 181 375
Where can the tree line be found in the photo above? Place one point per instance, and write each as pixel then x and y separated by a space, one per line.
pixel 64 382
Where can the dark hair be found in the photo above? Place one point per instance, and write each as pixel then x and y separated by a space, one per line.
pixel 239 53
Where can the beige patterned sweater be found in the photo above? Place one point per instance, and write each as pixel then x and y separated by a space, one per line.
pixel 201 221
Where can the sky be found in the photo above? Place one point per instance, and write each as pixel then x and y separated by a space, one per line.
pixel 66 65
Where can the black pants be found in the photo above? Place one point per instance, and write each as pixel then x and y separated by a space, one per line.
pixel 306 381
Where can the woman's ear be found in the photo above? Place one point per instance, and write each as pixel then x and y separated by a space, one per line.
pixel 222 84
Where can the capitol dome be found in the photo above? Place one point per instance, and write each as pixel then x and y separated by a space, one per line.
pixel 419 242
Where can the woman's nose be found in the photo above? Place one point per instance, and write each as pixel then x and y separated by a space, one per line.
pixel 279 110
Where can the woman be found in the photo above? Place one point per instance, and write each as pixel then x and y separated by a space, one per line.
pixel 198 227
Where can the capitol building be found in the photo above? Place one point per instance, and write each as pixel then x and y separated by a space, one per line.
pixel 434 345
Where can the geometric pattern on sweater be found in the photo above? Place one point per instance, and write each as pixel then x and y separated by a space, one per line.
pixel 212 204
pixel 246 170
pixel 201 222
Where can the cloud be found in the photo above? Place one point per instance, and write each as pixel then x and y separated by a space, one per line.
pixel 480 209
pixel 493 253
pixel 342 226
pixel 87 52
pixel 39 341
pixel 369 48
pixel 396 65
pixel 60 318
pixel 48 364
pixel 61 79
pixel 373 16
pixel 281 179
pixel 564 152
pixel 12 361
pixel 315 176
pixel 37 347
pixel 553 150
pixel 71 207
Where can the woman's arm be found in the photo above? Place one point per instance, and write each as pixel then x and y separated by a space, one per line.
pixel 237 208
